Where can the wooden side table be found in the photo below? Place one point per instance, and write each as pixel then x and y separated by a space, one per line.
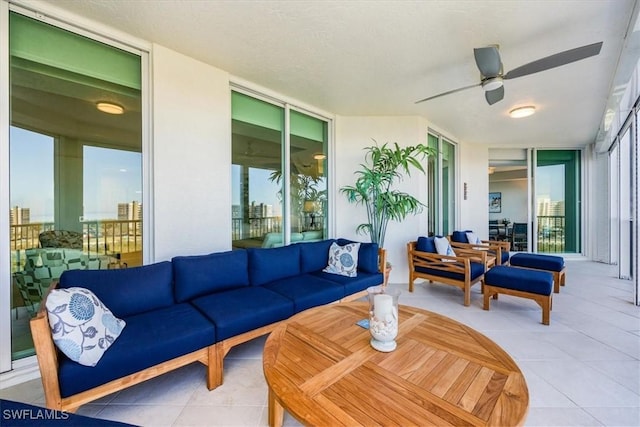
pixel 320 367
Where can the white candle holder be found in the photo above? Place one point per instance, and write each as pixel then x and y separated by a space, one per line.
pixel 383 317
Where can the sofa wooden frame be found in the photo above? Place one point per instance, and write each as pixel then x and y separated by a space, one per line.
pixel 460 264
pixel 212 357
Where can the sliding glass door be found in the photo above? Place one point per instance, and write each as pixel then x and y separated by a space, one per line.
pixel 558 201
pixel 441 175
pixel 279 166
pixel 75 163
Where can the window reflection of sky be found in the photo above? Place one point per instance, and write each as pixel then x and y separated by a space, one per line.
pixel 109 177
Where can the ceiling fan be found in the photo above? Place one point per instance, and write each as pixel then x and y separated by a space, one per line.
pixel 492 76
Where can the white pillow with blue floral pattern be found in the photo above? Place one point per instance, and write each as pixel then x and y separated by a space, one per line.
pixel 473 239
pixel 83 328
pixel 343 260
pixel 443 247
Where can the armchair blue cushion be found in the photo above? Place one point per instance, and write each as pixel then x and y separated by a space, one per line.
pixel 267 265
pixel 426 244
pixel 477 269
pixel 460 236
pixel 203 274
pixel 127 291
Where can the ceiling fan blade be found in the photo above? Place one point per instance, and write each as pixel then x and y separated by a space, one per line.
pixel 488 60
pixel 557 60
pixel 495 95
pixel 449 92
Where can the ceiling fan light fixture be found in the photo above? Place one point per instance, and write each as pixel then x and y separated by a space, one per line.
pixel 492 83
pixel 520 112
pixel 109 107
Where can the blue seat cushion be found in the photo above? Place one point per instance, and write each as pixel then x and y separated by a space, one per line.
pixel 148 339
pixel 367 255
pixel 353 285
pixel 538 261
pixel 460 236
pixel 307 291
pixel 426 244
pixel 505 256
pixel 126 291
pixel 243 309
pixel 269 264
pixel 314 256
pixel 477 269
pixel 532 281
pixel 195 276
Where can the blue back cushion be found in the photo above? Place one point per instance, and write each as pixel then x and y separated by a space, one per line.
pixel 459 237
pixel 195 276
pixel 426 244
pixel 126 291
pixel 314 256
pixel 267 265
pixel 367 255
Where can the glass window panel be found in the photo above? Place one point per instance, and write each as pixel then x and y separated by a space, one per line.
pixel 256 153
pixel 308 177
pixel 557 200
pixel 433 185
pixel 59 143
pixel 448 187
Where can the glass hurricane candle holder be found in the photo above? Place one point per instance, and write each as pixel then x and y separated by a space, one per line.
pixel 383 317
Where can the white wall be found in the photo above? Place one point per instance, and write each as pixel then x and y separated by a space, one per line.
pixel 514 200
pixel 352 135
pixel 473 213
pixel 191 156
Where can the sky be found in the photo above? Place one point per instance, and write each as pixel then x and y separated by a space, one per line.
pixel 109 177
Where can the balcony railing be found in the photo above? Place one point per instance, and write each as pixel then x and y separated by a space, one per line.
pixel 551 236
pixel 111 237
pixel 255 227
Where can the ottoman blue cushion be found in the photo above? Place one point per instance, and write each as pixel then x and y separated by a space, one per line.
pixel 541 262
pixel 148 339
pixel 537 282
pixel 240 310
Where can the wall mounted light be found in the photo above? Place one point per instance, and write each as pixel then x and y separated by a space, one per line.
pixel 109 107
pixel 520 112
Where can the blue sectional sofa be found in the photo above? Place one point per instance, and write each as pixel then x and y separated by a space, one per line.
pixel 194 308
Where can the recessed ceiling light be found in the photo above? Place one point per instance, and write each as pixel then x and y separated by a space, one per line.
pixel 109 107
pixel 520 112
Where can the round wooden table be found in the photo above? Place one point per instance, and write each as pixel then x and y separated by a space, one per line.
pixel 320 367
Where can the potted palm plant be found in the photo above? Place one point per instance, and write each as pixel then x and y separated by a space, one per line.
pixel 384 166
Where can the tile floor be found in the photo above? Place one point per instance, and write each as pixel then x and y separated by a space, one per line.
pixel 582 370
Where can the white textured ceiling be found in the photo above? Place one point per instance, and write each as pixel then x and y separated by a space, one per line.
pixel 379 57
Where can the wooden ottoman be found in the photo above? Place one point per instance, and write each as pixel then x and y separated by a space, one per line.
pixel 551 263
pixel 520 282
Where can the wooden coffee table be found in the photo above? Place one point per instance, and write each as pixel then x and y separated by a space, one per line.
pixel 320 367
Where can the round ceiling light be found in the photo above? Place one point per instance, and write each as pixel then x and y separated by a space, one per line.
pixel 109 108
pixel 520 112
pixel 492 83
